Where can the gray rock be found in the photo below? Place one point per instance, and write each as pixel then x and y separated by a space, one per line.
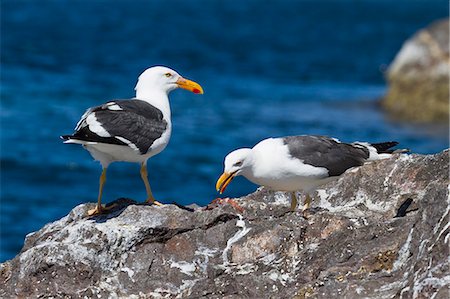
pixel 419 75
pixel 352 245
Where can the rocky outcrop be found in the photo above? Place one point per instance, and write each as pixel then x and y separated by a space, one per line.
pixel 419 76
pixel 380 231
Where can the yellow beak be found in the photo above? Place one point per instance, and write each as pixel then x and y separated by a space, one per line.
pixel 190 85
pixel 223 181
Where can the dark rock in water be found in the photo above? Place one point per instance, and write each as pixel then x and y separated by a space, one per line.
pixel 419 75
pixel 350 246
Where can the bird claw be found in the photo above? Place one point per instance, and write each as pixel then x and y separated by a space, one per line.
pixel 100 209
pixel 221 201
pixel 305 213
pixel 153 202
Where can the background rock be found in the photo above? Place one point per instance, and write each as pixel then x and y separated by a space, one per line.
pixel 352 245
pixel 419 76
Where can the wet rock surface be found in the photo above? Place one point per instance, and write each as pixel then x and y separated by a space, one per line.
pixel 380 231
pixel 418 77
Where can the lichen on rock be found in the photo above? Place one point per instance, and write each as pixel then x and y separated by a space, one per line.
pixel 354 244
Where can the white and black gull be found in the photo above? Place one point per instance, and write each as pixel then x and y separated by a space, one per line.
pixel 299 162
pixel 131 130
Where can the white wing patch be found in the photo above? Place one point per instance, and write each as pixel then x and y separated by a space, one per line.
pixel 95 126
pixel 113 106
pixel 128 142
pixel 82 122
pixel 373 154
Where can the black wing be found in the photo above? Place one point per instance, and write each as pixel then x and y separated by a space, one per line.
pixel 134 123
pixel 321 151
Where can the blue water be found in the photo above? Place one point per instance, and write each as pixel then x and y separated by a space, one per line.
pixel 268 68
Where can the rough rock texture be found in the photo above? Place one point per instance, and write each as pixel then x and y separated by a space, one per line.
pixel 419 76
pixel 352 245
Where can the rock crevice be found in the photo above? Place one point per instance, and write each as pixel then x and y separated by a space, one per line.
pixel 380 231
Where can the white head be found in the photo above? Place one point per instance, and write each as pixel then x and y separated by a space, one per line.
pixel 236 163
pixel 159 79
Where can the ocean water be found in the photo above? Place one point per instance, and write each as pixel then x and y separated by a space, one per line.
pixel 268 68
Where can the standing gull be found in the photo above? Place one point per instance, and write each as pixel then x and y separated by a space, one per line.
pixel 131 130
pixel 299 162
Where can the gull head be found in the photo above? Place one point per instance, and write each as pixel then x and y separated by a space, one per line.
pixel 236 163
pixel 163 79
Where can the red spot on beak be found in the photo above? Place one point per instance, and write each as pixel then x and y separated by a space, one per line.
pixel 195 90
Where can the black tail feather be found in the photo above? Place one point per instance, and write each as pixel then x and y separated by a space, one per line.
pixel 65 137
pixel 384 147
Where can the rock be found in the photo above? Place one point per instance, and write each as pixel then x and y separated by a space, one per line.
pixel 380 231
pixel 419 75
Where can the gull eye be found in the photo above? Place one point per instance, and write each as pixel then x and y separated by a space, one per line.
pixel 168 75
pixel 239 163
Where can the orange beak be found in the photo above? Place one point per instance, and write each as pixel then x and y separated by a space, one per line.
pixel 190 85
pixel 223 181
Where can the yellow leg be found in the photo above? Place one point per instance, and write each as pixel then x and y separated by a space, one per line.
pixel 306 205
pixel 99 208
pixel 293 201
pixel 144 176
